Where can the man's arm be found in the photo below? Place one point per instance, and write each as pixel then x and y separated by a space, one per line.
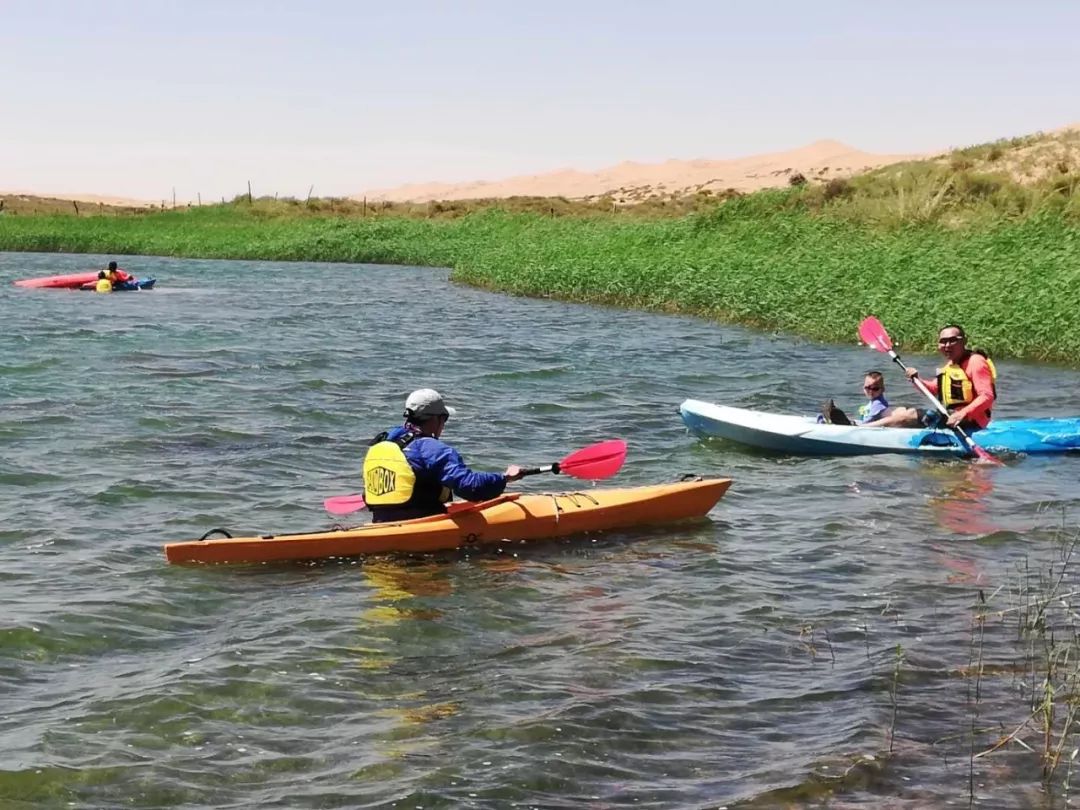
pixel 465 483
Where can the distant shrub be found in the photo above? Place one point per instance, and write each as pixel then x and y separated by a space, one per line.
pixel 971 185
pixel 837 187
pixel 797 179
pixel 1065 184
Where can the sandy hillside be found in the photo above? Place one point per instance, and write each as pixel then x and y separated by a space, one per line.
pixel 1026 159
pixel 630 182
pixel 94 199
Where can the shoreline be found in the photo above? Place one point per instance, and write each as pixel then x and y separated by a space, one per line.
pixel 766 260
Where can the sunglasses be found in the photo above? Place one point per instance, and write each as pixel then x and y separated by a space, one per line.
pixel 871 388
pixel 945 341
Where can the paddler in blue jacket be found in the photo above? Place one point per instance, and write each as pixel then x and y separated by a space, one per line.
pixel 410 473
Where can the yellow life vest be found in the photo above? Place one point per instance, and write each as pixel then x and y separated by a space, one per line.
pixel 389 479
pixel 103 285
pixel 955 388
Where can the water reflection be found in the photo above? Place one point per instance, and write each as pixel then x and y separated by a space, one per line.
pixel 396 582
pixel 396 588
pixel 963 505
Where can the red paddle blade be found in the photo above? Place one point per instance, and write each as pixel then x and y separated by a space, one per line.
pixel 984 456
pixel 600 460
pixel 873 334
pixel 344 504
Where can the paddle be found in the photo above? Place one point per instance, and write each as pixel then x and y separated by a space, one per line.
pixel 873 334
pixel 344 504
pixel 595 462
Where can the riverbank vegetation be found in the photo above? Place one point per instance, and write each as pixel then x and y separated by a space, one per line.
pixel 988 236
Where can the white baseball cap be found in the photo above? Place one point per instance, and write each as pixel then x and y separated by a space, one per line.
pixel 425 403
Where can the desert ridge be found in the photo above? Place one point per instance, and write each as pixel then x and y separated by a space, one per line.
pixel 633 182
pixel 1025 159
pixel 83 197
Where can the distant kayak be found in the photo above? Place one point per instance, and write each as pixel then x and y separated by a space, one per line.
pixel 804 435
pixel 510 518
pixel 82 281
pixel 71 281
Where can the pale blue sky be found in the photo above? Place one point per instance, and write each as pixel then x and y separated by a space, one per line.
pixel 136 98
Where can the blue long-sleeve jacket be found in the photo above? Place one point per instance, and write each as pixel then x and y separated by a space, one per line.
pixel 437 465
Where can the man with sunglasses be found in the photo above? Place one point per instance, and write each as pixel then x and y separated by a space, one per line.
pixel 965 385
pixel 409 472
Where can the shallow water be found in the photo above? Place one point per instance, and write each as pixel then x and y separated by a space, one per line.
pixel 750 659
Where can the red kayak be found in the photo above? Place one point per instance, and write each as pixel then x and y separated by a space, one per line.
pixel 71 281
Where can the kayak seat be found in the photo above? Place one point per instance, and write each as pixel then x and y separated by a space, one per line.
pixel 832 414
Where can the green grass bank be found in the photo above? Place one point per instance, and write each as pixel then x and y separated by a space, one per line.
pixel 918 246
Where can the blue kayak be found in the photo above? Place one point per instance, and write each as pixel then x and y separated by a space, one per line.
pixel 135 284
pixel 804 435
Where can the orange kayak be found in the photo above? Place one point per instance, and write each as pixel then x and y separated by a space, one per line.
pixel 509 518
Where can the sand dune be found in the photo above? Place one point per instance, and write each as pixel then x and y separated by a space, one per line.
pixel 628 181
pixel 94 199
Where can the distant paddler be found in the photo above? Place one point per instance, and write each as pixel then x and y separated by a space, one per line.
pixel 117 276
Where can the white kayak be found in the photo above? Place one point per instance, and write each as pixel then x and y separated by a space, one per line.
pixel 804 435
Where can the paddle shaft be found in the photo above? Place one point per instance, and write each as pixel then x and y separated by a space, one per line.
pixel 551 468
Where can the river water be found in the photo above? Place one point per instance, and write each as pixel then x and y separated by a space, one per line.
pixel 810 644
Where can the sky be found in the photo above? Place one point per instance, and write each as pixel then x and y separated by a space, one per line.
pixel 148 98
